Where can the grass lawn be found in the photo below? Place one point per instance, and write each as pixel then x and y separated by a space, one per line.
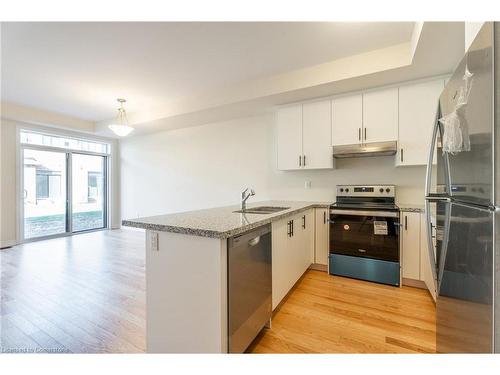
pixel 55 224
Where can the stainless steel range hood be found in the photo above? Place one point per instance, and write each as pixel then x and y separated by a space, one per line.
pixel 367 149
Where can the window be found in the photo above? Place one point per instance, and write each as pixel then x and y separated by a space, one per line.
pixel 48 184
pixel 64 184
pixel 40 139
pixel 42 186
pixel 94 179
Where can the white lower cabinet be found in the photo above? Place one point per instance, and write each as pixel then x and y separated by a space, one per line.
pixel 293 251
pixel 410 250
pixel 321 236
pixel 415 262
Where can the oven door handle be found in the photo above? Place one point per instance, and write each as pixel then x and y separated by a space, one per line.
pixel 365 213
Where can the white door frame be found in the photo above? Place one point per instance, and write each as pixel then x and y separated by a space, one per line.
pixel 69 152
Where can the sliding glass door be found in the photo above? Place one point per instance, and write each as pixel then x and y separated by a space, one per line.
pixel 44 193
pixel 64 185
pixel 88 192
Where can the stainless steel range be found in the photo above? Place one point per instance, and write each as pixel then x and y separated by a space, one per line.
pixel 364 233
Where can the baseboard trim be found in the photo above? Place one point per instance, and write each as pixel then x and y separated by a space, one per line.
pixel 319 267
pixel 414 283
pixel 7 244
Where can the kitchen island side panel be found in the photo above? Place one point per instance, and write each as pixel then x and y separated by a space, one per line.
pixel 186 294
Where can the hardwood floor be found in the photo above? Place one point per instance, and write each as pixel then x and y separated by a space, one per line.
pixel 330 314
pixel 80 294
pixel 86 294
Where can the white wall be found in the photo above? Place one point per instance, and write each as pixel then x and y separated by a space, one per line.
pixel 209 165
pixel 8 177
pixel 8 182
pixel 471 30
pixel 194 167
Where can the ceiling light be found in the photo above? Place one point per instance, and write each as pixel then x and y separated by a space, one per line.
pixel 121 127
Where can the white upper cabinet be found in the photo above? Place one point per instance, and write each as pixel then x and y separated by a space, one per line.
pixel 289 137
pixel 380 116
pixel 303 135
pixel 307 131
pixel 317 150
pixel 347 120
pixel 417 112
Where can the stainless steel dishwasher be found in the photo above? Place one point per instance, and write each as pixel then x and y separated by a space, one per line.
pixel 249 286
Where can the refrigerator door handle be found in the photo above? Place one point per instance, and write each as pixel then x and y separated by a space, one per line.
pixel 428 174
pixel 437 269
pixel 430 244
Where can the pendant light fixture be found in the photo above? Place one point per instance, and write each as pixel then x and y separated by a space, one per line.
pixel 121 127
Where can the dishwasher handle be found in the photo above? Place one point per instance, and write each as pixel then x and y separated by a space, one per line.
pixel 250 238
pixel 254 241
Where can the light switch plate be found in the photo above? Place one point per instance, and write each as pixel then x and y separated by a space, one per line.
pixel 307 185
pixel 154 241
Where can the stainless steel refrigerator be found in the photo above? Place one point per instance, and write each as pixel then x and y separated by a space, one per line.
pixel 463 201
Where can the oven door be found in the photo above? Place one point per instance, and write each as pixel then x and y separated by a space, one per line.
pixel 364 233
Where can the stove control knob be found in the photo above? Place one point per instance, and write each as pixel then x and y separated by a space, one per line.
pixel 347 190
pixel 388 190
pixel 341 190
pixel 381 190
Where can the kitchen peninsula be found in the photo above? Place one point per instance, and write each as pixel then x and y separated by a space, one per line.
pixel 187 268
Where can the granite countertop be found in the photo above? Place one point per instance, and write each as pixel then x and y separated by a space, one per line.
pixel 220 222
pixel 411 207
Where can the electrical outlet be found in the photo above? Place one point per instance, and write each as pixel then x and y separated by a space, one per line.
pixel 307 185
pixel 154 241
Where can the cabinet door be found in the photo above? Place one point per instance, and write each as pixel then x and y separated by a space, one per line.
pixel 347 120
pixel 410 251
pixel 417 113
pixel 307 225
pixel 297 246
pixel 316 130
pixel 425 262
pixel 321 236
pixel 289 137
pixel 380 116
pixel 281 260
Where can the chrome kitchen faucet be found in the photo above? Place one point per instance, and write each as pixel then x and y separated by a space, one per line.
pixel 244 197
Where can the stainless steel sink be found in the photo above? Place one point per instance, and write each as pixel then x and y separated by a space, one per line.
pixel 266 210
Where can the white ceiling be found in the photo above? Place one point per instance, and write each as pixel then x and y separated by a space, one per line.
pixel 79 69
